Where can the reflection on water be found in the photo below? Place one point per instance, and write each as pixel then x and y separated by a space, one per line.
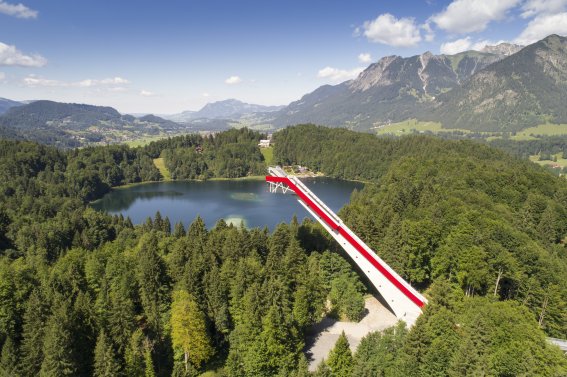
pixel 248 196
pixel 233 201
pixel 122 199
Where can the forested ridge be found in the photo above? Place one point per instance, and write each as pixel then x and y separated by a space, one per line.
pixel 84 293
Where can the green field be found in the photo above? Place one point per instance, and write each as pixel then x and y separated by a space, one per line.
pixel 145 140
pixel 160 164
pixel 562 162
pixel 268 154
pixel 412 126
pixel 541 130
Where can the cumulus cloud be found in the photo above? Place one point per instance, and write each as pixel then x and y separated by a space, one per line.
pixel 17 10
pixel 542 26
pixel 206 95
pixel 429 34
pixel 113 83
pixel 454 47
pixel 389 30
pixel 11 56
pixel 533 8
pixel 146 93
pixel 465 44
pixel 232 80
pixel 467 16
pixel 365 58
pixel 335 74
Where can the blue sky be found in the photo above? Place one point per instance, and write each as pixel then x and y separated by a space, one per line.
pixel 170 56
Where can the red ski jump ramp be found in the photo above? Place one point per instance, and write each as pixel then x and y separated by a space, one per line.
pixel 405 301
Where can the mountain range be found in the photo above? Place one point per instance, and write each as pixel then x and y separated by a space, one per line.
pixel 500 88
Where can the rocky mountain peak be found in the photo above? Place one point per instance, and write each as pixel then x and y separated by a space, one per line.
pixel 374 75
pixel 505 49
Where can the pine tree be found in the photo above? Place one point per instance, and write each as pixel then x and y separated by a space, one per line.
pixel 9 359
pixel 149 370
pixel 340 358
pixel 179 230
pixel 58 343
pixel 188 329
pixel 105 362
pixel 152 280
pixel 33 334
pixel 134 355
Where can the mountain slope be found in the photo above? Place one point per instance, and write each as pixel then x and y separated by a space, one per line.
pixel 227 109
pixel 5 104
pixel 392 89
pixel 525 89
pixel 72 125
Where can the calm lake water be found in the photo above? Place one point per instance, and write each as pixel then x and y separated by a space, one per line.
pixel 234 201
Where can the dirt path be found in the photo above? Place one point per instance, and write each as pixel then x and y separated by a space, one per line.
pixel 326 333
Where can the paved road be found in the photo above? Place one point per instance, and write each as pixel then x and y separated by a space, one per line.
pixel 326 333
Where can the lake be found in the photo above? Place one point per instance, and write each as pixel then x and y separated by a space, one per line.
pixel 231 200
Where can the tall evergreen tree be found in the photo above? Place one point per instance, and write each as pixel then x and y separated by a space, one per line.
pixel 33 334
pixel 58 343
pixel 105 361
pixel 9 359
pixel 340 358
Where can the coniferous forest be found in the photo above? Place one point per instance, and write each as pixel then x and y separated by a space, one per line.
pixel 82 293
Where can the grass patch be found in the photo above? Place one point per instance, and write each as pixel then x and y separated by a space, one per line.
pixel 268 154
pixel 163 170
pixel 548 129
pixel 562 162
pixel 141 142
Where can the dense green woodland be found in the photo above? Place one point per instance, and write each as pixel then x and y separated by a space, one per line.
pixel 83 293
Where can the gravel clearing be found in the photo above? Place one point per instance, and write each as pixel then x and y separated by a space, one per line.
pixel 325 334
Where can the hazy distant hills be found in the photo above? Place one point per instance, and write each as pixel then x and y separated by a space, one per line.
pixel 5 104
pixel 70 124
pixel 227 109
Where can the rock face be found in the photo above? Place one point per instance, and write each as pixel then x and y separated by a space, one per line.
pixel 505 49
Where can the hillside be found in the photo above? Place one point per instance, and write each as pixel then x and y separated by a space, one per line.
pixel 71 125
pixel 523 90
pixel 5 104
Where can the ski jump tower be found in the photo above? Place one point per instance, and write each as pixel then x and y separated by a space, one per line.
pixel 405 301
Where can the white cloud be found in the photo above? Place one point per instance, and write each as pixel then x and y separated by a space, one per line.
pixel 466 16
pixel 465 44
pixel 335 74
pixel 232 80
pixel 533 8
pixel 17 10
pixel 542 26
pixel 429 34
pixel 112 83
pixel 2 76
pixel 454 47
pixel 206 95
pixel 146 93
pixel 389 30
pixel 11 56
pixel 365 58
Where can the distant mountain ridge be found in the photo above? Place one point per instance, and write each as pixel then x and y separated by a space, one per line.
pixel 72 125
pixel 5 104
pixel 392 89
pixel 227 109
pixel 505 87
